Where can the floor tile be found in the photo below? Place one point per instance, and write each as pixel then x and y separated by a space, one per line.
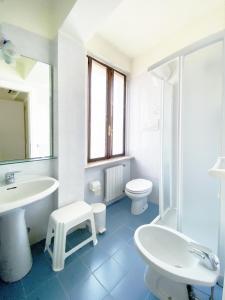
pixel 109 274
pixel 72 274
pixel 108 297
pixel 123 204
pixel 78 236
pixel 128 257
pixel 113 209
pixel 103 235
pixel 218 293
pixel 150 296
pixel 124 233
pixel 12 291
pixel 85 249
pixel 51 289
pixel 94 258
pixel 40 272
pixel 207 290
pixel 200 295
pixel 68 246
pixel 131 287
pixel 111 243
pixel 204 289
pixel 73 257
pixel 90 289
pixel 113 222
pixel 112 270
pixel 150 214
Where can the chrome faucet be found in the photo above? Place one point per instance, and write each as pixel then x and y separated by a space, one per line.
pixel 10 177
pixel 209 259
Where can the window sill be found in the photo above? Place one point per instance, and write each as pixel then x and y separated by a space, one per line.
pixel 107 162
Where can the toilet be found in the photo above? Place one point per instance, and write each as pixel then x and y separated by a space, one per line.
pixel 174 262
pixel 138 191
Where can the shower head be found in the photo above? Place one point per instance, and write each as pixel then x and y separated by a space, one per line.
pixel 165 71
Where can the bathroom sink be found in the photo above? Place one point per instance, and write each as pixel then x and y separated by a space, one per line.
pixel 168 252
pixel 15 253
pixel 22 193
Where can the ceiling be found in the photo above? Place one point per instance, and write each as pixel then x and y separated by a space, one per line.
pixel 132 26
pixel 42 17
pixel 87 16
pixel 136 26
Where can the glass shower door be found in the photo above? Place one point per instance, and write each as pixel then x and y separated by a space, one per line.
pixel 168 74
pixel 167 146
pixel 200 143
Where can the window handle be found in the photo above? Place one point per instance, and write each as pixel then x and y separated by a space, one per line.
pixel 109 130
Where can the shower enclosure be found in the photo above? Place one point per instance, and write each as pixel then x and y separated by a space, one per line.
pixel 192 137
pixel 168 75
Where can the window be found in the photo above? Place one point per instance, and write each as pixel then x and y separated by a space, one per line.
pixel 106 112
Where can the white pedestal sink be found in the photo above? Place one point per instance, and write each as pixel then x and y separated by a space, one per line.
pixel 15 254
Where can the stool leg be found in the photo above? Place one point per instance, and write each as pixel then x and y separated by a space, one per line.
pixel 59 248
pixel 93 231
pixel 49 235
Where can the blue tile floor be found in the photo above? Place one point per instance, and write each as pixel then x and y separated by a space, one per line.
pixel 112 270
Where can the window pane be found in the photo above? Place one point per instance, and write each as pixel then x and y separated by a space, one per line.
pixel 118 114
pixel 98 111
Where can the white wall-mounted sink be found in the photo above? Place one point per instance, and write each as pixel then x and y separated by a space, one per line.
pixel 22 193
pixel 172 261
pixel 15 253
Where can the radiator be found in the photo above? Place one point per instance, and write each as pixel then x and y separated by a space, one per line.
pixel 114 183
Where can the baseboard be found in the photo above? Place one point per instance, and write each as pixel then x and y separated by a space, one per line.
pixel 107 203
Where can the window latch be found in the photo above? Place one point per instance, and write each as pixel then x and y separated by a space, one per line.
pixel 109 130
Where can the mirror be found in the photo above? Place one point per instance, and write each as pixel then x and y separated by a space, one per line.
pixel 25 110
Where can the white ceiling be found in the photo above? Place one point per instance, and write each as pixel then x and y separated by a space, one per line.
pixel 87 16
pixel 135 26
pixel 43 17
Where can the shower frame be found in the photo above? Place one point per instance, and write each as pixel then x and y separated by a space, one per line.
pixel 179 55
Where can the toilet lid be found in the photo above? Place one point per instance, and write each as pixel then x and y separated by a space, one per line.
pixel 138 185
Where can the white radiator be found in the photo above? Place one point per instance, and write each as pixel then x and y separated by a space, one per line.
pixel 114 183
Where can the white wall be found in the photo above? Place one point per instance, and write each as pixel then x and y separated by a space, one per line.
pixel 144 134
pixel 71 118
pixel 108 53
pixel 29 44
pixel 97 173
pixel 36 47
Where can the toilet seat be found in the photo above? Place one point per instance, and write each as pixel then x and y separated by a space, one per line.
pixel 138 191
pixel 138 186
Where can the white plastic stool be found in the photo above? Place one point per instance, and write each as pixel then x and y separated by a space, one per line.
pixel 99 210
pixel 60 222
